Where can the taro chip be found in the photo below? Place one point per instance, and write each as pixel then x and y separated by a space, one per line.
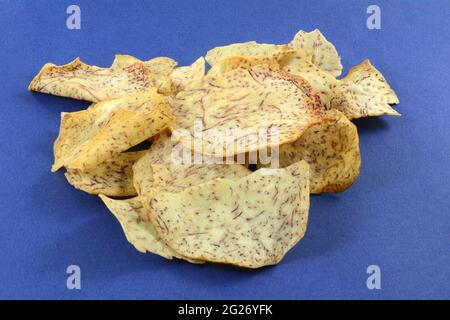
pixel 161 65
pixel 331 148
pixel 138 229
pixel 323 52
pixel 92 136
pixel 249 49
pixel 250 222
pixel 362 92
pixel 183 77
pixel 113 177
pixel 155 172
pixel 245 110
pixel 80 81
pixel 159 69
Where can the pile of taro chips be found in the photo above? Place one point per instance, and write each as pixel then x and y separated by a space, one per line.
pixel 235 151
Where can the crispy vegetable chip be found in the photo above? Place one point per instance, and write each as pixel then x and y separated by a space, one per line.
pixel 300 63
pixel 159 69
pixel 94 135
pixel 363 92
pixel 331 148
pixel 235 110
pixel 161 65
pixel 323 52
pixel 155 171
pixel 250 49
pixel 183 77
pixel 251 222
pixel 81 81
pixel 138 229
pixel 113 177
pixel 246 62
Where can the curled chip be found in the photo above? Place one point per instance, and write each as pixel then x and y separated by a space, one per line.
pixel 331 148
pixel 183 77
pixel 81 81
pixel 323 52
pixel 159 70
pixel 245 110
pixel 138 229
pixel 92 136
pixel 251 222
pixel 299 62
pixel 362 92
pixel 113 177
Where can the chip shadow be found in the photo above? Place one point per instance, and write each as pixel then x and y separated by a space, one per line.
pixel 56 104
pixel 371 124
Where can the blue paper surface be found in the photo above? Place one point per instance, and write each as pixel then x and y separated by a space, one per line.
pixel 396 216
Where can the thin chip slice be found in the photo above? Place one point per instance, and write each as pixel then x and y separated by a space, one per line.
pixel 364 92
pixel 245 109
pixel 246 62
pixel 159 69
pixel 300 63
pixel 251 222
pixel 138 229
pixel 84 82
pixel 161 65
pixel 323 52
pixel 113 177
pixel 331 148
pixel 92 136
pixel 157 172
pixel 183 77
pixel 249 49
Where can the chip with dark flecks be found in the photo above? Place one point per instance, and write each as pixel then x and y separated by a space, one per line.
pixel 245 109
pixel 183 77
pixel 250 222
pixel 113 177
pixel 126 75
pixel 92 136
pixel 331 148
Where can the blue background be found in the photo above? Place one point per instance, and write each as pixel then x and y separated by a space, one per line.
pixel 396 215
